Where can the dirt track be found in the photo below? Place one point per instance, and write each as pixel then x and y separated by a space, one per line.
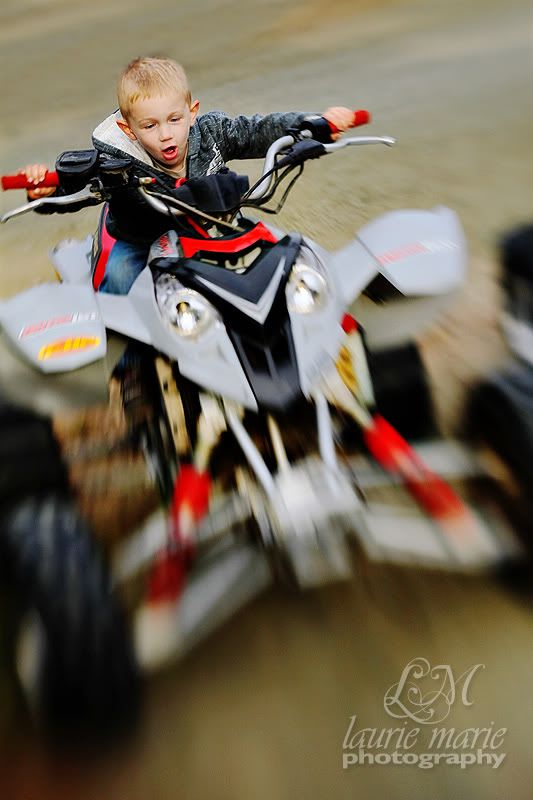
pixel 261 710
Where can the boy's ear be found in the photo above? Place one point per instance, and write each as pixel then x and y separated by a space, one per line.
pixel 195 106
pixel 125 128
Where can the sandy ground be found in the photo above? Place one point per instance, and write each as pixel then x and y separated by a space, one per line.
pixel 261 710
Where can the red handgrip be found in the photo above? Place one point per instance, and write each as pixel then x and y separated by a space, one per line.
pixel 20 181
pixel 360 117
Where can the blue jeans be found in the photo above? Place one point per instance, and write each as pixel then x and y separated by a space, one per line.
pixel 125 264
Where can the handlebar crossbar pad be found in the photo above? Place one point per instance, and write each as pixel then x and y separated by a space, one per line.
pixel 215 194
pixel 75 168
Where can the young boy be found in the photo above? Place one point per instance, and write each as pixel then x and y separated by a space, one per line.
pixel 158 126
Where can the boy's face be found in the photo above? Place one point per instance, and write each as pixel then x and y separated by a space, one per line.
pixel 161 124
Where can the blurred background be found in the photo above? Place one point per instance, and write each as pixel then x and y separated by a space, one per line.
pixel 261 709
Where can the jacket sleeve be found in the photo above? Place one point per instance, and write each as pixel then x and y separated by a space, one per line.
pixel 250 137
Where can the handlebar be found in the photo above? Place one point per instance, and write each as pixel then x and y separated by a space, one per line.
pixel 389 141
pixel 262 187
pixel 51 179
pixel 20 181
pixel 297 147
pixel 78 197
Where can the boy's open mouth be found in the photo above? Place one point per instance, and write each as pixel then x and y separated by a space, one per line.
pixel 170 153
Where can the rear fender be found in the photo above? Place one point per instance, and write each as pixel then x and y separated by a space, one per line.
pixel 56 327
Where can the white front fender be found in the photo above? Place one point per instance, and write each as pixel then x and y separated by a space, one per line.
pixel 57 327
pixel 421 253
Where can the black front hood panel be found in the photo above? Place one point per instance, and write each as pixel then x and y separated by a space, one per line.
pixel 271 367
pixel 254 310
pixel 240 297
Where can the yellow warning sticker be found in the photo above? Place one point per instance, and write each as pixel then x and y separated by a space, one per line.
pixel 65 346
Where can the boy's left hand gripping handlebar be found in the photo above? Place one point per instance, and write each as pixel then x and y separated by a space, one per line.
pixel 360 117
pixel 20 181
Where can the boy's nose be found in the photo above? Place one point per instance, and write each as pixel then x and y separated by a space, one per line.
pixel 164 133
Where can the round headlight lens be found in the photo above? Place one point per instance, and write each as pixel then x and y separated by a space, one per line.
pixel 185 310
pixel 306 290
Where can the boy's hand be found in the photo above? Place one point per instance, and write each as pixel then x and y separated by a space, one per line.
pixel 341 117
pixel 35 173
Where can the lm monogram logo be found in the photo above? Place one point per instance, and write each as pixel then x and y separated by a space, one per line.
pixel 426 694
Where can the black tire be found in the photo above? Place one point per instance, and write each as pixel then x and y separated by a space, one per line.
pixel 30 461
pixel 88 685
pixel 499 413
pixel 401 390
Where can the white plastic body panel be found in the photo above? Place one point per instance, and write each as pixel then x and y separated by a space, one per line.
pixel 72 260
pixel 210 360
pixel 57 327
pixel 395 323
pixel 317 336
pixel 421 253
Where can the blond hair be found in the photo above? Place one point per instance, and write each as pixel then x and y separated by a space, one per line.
pixel 148 77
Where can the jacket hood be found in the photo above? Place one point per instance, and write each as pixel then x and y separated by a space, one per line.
pixel 108 138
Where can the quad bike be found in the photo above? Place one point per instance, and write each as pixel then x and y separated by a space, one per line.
pixel 247 383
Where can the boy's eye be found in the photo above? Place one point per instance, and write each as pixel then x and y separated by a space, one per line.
pixel 148 126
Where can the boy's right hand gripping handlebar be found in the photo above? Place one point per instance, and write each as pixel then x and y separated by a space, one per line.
pixel 322 130
pixel 20 181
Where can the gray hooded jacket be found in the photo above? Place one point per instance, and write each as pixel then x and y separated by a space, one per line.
pixel 214 139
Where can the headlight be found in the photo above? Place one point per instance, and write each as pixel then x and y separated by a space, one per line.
pixel 186 311
pixel 307 289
